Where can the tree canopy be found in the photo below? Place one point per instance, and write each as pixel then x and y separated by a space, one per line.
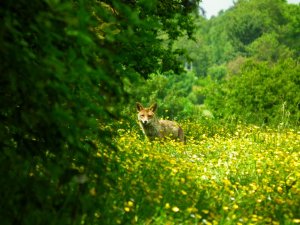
pixel 247 62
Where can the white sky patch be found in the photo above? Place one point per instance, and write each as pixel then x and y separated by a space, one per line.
pixel 213 7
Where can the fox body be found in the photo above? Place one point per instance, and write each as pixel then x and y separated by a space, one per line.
pixel 154 128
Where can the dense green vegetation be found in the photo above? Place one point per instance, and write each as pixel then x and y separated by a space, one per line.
pixel 71 149
pixel 245 64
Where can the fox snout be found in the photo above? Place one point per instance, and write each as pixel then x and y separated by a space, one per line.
pixel 145 122
pixel 144 119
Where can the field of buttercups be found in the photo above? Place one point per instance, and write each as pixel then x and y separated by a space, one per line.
pixel 247 176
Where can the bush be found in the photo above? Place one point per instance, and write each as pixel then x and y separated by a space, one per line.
pixel 49 109
pixel 178 96
pixel 260 93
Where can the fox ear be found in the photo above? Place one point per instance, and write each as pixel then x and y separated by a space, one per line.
pixel 153 107
pixel 139 106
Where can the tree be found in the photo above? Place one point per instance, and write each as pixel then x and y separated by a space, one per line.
pixel 62 74
pixel 290 31
pixel 268 48
pixel 260 93
pixel 251 19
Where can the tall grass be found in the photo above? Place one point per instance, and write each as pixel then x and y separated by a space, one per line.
pixel 248 175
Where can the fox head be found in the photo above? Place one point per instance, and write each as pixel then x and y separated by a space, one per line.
pixel 146 115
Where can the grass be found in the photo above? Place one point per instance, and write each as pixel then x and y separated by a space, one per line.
pixel 249 175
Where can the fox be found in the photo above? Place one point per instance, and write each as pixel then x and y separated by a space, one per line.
pixel 154 128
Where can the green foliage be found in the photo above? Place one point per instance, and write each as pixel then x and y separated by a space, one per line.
pixel 290 32
pixel 251 19
pixel 50 100
pixel 176 95
pixel 64 66
pixel 143 34
pixel 268 48
pixel 217 73
pixel 259 93
pixel 229 35
pixel 195 49
pixel 221 48
pixel 249 51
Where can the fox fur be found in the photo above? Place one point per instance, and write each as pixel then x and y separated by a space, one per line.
pixel 154 128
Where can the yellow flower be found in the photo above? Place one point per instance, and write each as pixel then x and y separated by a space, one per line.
pixel 259 200
pixel 175 209
pixel 192 209
pixel 93 191
pixel 205 211
pixel 296 220
pixel 130 203
pixel 279 189
pixel 225 208
pixel 97 214
pixel 183 192
pixel 167 206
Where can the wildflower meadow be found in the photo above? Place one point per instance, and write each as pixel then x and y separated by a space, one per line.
pixel 249 175
pixel 72 151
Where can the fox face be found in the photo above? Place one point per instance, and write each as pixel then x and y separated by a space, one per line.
pixel 146 115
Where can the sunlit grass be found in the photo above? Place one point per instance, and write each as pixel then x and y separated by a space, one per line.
pixel 249 176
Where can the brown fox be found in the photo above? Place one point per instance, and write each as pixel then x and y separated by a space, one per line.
pixel 154 128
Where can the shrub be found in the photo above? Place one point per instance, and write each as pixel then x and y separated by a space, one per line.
pixel 260 93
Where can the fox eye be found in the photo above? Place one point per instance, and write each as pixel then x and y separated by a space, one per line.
pixel 150 116
pixel 142 115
